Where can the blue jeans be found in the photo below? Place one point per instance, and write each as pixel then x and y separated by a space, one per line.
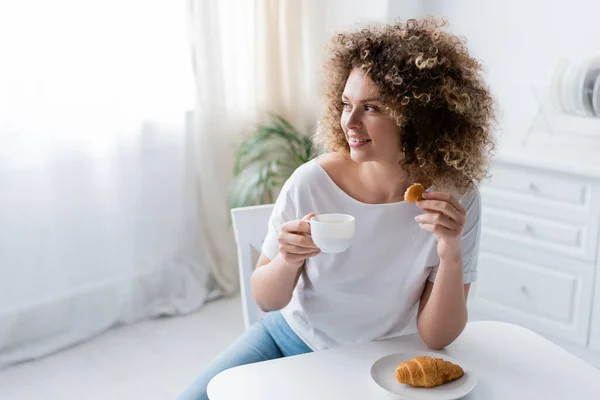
pixel 268 339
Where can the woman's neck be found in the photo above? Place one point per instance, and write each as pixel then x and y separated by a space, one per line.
pixel 385 183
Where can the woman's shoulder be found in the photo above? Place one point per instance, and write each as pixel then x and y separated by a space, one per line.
pixel 471 200
pixel 328 164
pixel 336 166
pixel 331 161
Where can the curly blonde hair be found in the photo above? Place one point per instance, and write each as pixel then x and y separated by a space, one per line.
pixel 429 85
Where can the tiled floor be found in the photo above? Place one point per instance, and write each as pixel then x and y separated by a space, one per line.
pixel 152 360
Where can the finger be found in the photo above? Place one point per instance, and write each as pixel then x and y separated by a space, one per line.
pixel 314 253
pixel 444 196
pixel 427 227
pixel 443 207
pixel 436 229
pixel 297 240
pixel 290 248
pixel 291 257
pixel 301 226
pixel 430 211
pixel 308 217
pixel 437 219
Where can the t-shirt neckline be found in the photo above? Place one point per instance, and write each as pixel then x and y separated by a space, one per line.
pixel 347 196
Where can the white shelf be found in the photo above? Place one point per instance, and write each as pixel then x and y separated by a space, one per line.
pixel 571 126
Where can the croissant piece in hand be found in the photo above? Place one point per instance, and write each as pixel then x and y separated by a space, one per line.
pixel 427 371
pixel 414 193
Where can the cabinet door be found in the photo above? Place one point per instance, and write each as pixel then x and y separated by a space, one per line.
pixel 547 294
pixel 554 212
pixel 542 193
pixel 595 320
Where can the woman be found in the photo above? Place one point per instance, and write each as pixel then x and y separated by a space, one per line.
pixel 404 104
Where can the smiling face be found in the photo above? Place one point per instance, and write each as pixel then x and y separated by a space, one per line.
pixel 370 132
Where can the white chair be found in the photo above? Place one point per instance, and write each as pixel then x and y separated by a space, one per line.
pixel 250 226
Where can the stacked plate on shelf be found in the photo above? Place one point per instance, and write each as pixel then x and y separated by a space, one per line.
pixel 576 88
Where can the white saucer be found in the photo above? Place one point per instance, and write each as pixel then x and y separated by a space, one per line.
pixel 383 373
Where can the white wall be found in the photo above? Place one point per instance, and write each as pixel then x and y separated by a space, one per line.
pixel 347 14
pixel 519 42
pixel 405 9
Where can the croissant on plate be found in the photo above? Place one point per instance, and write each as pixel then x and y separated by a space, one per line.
pixel 427 371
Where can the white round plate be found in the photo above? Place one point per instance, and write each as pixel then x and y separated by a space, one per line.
pixel 592 71
pixel 556 86
pixel 578 89
pixel 383 372
pixel 567 93
pixel 596 97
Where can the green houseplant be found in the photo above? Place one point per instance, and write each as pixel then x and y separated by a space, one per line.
pixel 265 160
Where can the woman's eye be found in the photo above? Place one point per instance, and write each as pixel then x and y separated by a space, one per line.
pixel 371 108
pixel 346 106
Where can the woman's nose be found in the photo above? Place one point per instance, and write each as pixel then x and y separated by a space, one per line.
pixel 353 120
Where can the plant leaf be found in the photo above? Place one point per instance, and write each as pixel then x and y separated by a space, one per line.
pixel 265 160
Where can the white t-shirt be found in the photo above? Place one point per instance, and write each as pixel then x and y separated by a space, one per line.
pixel 372 290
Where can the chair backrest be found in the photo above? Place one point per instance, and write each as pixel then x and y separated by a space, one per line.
pixel 250 225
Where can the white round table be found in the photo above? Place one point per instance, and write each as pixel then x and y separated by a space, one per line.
pixel 510 362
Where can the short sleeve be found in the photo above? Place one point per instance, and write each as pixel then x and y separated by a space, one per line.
pixel 283 211
pixel 470 239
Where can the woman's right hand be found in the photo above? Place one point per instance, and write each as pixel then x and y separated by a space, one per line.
pixel 294 244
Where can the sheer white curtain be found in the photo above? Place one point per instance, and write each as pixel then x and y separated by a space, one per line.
pixel 250 58
pixel 98 202
pixel 253 57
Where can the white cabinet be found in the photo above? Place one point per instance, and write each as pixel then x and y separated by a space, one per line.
pixel 538 264
pixel 595 328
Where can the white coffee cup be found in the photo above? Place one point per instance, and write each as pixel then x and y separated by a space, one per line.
pixel 332 233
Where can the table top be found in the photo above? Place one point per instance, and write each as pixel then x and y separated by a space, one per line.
pixel 510 362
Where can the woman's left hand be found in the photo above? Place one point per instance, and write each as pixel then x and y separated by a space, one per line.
pixel 445 218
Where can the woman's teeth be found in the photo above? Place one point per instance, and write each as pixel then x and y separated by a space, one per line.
pixel 359 140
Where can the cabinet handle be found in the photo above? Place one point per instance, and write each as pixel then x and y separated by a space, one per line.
pixel 524 290
pixel 529 229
